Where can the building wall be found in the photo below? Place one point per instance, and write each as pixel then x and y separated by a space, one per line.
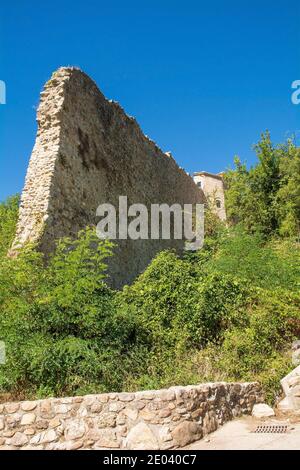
pixel 88 152
pixel 213 188
pixel 160 419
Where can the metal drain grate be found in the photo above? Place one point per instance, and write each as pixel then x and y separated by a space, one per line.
pixel 276 429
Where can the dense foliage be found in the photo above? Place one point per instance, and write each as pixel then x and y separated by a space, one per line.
pixel 227 312
pixel 266 198
pixel 62 332
pixel 8 221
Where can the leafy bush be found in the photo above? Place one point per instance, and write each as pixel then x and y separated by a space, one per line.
pixel 182 321
pixel 227 312
pixel 249 257
pixel 181 306
pixel 260 350
pixel 8 219
pixel 266 198
pixel 62 332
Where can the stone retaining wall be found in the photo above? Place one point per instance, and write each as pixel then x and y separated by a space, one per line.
pixel 162 419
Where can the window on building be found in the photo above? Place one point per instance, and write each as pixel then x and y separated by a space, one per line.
pixel 218 203
pixel 199 184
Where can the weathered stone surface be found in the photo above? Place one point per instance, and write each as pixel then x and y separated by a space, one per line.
pixel 82 137
pixel 75 429
pixel 19 439
pixel 164 413
pixel 147 395
pixel 12 407
pixel 138 404
pixel 262 411
pixel 28 418
pixel 54 423
pixel 167 395
pixel 77 399
pixel 94 434
pixel 96 407
pixel 121 419
pixel 165 434
pixel 293 381
pixel 103 398
pixel 62 409
pixel 107 438
pixel 147 415
pixel 9 433
pixel 126 396
pixel 296 391
pixel 210 423
pixel 88 443
pixel 46 409
pixel 285 381
pixel 131 413
pixel 296 345
pixel 296 357
pixel 41 424
pixel 186 432
pixel 116 406
pixel 141 437
pixel 107 420
pixel 48 436
pixel 28 405
pixel 75 445
pixel 67 400
pixel 285 405
pixel 291 387
pixel 88 401
pixel 44 437
pixel 82 412
pixel 13 420
pixel 122 431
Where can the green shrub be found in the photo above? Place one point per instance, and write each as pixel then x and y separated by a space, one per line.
pixel 181 306
pixel 260 264
pixel 253 352
pixel 227 312
pixel 8 219
pixel 266 198
pixel 62 332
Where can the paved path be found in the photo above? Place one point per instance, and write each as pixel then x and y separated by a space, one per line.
pixel 239 435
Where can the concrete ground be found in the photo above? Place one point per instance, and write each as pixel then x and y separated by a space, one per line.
pixel 239 435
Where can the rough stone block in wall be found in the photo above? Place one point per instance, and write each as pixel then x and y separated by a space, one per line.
pixel 156 419
pixel 88 152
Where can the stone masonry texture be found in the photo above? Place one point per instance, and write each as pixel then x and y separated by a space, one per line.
pixel 158 419
pixel 88 152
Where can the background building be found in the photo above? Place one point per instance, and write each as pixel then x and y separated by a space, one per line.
pixel 213 187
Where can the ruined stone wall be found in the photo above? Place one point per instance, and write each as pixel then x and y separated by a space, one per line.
pixel 161 419
pixel 89 152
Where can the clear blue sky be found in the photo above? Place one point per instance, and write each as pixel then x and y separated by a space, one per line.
pixel 203 78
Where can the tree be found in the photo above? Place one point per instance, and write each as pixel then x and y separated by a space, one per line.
pixel 8 219
pixel 266 198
